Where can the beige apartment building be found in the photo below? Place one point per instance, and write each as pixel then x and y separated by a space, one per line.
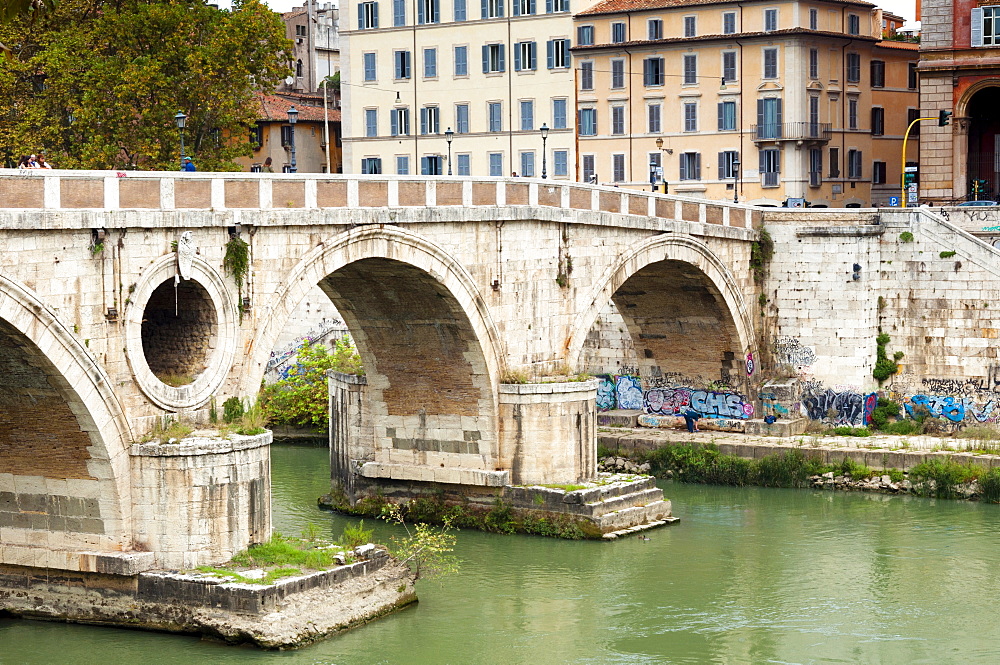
pixel 493 72
pixel 757 101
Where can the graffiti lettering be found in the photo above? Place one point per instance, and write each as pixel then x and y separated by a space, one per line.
pixel 789 351
pixel 628 392
pixel 839 408
pixel 709 403
pixel 606 393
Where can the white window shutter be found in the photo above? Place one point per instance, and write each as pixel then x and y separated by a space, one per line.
pixel 977 26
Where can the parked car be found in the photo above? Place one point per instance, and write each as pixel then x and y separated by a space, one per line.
pixel 965 204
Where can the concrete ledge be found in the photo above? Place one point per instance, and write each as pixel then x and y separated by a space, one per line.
pixel 841 231
pixel 549 388
pixel 111 563
pixel 448 475
pixel 781 427
pixel 353 379
pixel 201 445
pixel 619 417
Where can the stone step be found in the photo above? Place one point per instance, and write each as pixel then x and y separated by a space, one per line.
pixel 613 535
pixel 612 489
pixel 635 499
pixel 619 418
pixel 633 516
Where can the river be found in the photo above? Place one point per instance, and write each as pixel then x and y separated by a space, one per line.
pixel 749 575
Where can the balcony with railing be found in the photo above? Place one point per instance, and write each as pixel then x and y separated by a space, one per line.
pixel 792 131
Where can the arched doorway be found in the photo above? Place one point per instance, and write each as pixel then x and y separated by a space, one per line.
pixel 984 143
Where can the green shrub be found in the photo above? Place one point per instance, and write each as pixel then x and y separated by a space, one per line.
pixel 851 431
pixel 884 366
pixel 884 410
pixel 989 482
pixel 945 474
pixel 355 535
pixel 904 427
pixel 895 475
pixel 232 410
pixel 906 236
pixel 947 255
pixel 856 470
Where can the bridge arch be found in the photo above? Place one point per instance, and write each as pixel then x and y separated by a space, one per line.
pixel 431 351
pixel 669 289
pixel 63 433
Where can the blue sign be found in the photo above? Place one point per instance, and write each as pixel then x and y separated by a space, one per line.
pixel 893 201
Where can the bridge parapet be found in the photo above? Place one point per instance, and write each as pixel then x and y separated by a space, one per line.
pixel 161 191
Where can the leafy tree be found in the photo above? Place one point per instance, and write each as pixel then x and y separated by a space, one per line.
pixel 97 84
pixel 427 550
pixel 301 399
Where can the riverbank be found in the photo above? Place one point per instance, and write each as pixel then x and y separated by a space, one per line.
pixel 816 462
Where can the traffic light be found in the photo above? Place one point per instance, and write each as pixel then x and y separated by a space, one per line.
pixel 944 118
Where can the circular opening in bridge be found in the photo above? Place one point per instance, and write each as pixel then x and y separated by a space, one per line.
pixel 179 327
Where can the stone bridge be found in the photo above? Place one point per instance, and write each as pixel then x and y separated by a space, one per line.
pixel 116 310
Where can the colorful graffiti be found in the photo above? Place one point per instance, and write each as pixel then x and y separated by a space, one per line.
pixel 839 408
pixel 955 409
pixel 606 393
pixel 281 360
pixel 628 392
pixel 709 403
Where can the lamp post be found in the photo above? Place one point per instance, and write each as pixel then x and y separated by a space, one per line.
pixel 659 146
pixel 449 136
pixel 293 115
pixel 544 130
pixel 736 175
pixel 181 120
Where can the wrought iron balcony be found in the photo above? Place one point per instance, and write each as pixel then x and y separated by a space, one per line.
pixel 792 131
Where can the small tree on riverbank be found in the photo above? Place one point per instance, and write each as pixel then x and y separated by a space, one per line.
pixel 427 550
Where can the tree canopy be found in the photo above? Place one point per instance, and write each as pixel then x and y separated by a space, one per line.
pixel 96 84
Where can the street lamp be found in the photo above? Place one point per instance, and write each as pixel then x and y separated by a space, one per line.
pixel 449 136
pixel 736 175
pixel 544 129
pixel 293 115
pixel 181 120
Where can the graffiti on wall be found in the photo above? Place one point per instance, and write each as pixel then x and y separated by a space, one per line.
pixel 606 393
pixel 838 407
pixel 709 403
pixel 628 392
pixel 789 351
pixel 950 407
pixel 281 360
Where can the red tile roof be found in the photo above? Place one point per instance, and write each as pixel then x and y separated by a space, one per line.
pixel 742 35
pixel 275 108
pixel 905 46
pixel 619 6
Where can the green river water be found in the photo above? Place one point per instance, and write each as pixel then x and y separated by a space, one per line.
pixel 748 576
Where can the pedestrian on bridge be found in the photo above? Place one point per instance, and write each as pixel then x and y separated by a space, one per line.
pixel 188 165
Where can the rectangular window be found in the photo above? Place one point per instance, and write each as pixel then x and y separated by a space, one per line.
pixel 525 56
pixel 727 116
pixel 286 136
pixel 690 69
pixel 371 122
pixel 853 67
pixel 813 19
pixel 729 23
pixel 560 163
pixel 430 63
pixel 617 74
pixel 586 76
pixel 556 6
pixel 496 164
pixel 878 73
pixel 399 121
pixel 461 14
pixel 690 166
pixel 403 164
pixel 854 164
pixel 557 53
pixel 618 167
pixel 492 8
pixel 815 167
pixel 588 122
pixel 558 114
pixel 653 113
pixel 911 76
pixel 589 174
pixel 727 164
pixel 770 63
pixel 729 65
pixel 300 31
pixel 654 29
pixel 431 165
pixel 367 15
pixel 461 118
pixel 770 167
pixel 769 118
pixel 523 7
pixel 690 116
pixel 617 120
pixel 369 62
pixel 428 11
pixel 852 114
pixel 371 165
pixel 585 35
pixel 527 115
pixel 878 173
pixel 770 20
pixel 461 61
pixel 493 58
pixel 652 71
pixel 528 164
pixel 398 12
pixel 813 63
pixel 878 121
pixel 617 33
pixel 464 164
pixel 690 26
pixel 911 115
pixel 430 120
pixel 496 116
pixel 834 162
pixel 257 135
pixel 402 60
pixel 853 24
pixel 814 117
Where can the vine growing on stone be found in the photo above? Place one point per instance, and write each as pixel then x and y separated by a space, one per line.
pixel 237 261
pixel 884 366
pixel 761 251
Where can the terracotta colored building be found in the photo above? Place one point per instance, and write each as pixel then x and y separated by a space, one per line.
pixel 960 73
pixel 273 136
